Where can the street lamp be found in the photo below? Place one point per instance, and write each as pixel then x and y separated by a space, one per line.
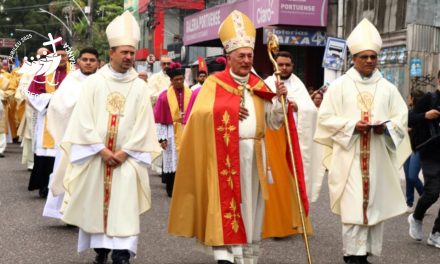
pixel 32 31
pixel 57 18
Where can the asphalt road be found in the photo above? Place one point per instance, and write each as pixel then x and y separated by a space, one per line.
pixel 29 238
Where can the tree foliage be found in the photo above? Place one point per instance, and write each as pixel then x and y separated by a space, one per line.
pixel 24 14
pixel 104 11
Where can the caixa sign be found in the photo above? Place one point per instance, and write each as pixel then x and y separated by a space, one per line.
pixel 296 37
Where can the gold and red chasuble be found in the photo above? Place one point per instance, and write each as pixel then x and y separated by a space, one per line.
pixel 110 143
pixel 206 198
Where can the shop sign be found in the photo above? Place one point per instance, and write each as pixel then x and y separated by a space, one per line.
pixel 204 25
pixel 296 37
pixel 334 54
pixel 415 67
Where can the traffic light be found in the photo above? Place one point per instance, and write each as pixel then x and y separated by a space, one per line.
pixel 11 34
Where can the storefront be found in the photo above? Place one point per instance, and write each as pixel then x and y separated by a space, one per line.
pixel 300 25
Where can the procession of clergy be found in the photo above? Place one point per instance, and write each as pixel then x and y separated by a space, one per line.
pixel 91 136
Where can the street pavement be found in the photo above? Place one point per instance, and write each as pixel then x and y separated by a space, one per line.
pixel 26 237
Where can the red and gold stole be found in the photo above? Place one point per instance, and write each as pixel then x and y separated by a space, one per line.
pixel 226 123
pixel 365 101
pixel 110 143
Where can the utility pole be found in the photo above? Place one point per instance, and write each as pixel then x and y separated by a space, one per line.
pixel 151 21
pixel 90 17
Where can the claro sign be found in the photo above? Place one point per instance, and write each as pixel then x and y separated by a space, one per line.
pixel 265 11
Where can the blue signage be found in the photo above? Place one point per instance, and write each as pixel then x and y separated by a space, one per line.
pixel 334 54
pixel 296 37
pixel 415 67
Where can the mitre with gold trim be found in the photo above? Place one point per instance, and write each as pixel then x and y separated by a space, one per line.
pixel 364 37
pixel 237 31
pixel 123 30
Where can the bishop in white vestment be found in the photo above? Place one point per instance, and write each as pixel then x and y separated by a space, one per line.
pixel 363 119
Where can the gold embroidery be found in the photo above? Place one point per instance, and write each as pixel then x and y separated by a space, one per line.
pixel 232 90
pixel 233 215
pixel 365 101
pixel 115 103
pixel 226 128
pixel 229 172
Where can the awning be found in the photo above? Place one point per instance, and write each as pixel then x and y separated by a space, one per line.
pixel 203 26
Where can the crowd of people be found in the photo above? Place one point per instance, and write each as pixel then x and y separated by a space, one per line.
pixel 91 136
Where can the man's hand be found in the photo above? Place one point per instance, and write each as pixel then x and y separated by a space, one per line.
pixel 121 156
pixel 362 126
pixel 164 144
pixel 432 114
pixel 243 114
pixel 281 89
pixel 108 157
pixel 294 106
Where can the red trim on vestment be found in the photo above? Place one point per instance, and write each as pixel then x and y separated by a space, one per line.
pixel 226 109
pixel 297 159
pixel 365 167
pixel 108 171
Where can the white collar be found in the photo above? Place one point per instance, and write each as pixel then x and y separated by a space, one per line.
pixel 117 75
pixel 81 76
pixel 239 79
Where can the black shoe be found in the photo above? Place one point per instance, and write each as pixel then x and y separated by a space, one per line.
pixel 2 155
pixel 353 259
pixel 101 258
pixel 43 192
pixel 224 262
pixel 124 261
pixel 364 260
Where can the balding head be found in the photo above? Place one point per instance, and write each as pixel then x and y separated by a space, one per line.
pixel 41 51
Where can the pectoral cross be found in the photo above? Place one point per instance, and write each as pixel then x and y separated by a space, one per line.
pixel 241 89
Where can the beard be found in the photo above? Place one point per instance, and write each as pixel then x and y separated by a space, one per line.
pixel 285 77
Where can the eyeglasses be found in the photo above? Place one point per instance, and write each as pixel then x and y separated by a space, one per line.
pixel 365 57
pixel 166 63
pixel 88 59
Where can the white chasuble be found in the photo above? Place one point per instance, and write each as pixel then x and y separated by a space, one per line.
pixel 114 110
pixel 364 182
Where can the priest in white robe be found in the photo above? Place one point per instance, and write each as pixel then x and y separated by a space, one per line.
pixel 27 124
pixel 363 119
pixel 25 130
pixel 39 93
pixel 305 117
pixel 109 141
pixel 159 81
pixel 58 115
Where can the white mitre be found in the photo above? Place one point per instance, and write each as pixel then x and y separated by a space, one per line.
pixel 123 30
pixel 364 37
